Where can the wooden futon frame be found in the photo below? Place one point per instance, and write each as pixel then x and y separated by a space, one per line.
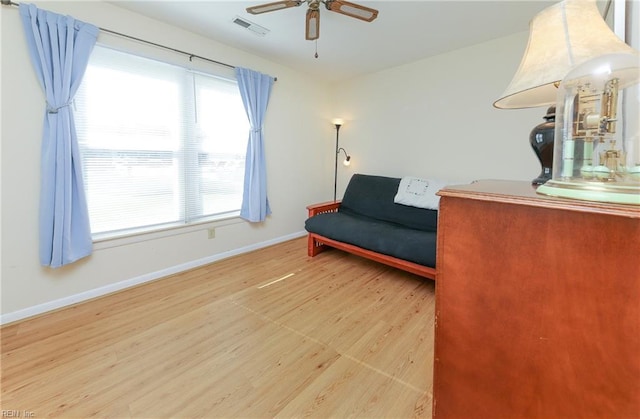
pixel 317 243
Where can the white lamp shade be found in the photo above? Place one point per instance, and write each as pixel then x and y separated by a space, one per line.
pixel 560 37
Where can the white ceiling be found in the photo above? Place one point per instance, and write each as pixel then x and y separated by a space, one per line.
pixel 405 31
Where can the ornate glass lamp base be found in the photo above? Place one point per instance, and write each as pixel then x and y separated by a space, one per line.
pixel 619 193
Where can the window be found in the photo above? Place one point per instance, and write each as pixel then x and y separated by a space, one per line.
pixel 161 145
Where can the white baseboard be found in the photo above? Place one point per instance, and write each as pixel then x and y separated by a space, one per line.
pixel 119 286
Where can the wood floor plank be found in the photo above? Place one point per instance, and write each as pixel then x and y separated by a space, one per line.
pixel 341 322
pixel 265 334
pixel 347 389
pixel 240 380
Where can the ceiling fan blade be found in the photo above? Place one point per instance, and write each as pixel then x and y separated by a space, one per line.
pixel 351 9
pixel 270 7
pixel 312 28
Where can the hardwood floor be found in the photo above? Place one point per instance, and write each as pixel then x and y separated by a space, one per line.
pixel 271 333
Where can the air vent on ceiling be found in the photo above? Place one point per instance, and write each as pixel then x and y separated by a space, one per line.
pixel 250 26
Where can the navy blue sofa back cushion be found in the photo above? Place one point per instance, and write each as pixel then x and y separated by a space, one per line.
pixel 372 196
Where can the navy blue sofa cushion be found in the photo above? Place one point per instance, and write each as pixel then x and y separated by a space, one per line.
pixel 416 246
pixel 372 196
pixel 368 218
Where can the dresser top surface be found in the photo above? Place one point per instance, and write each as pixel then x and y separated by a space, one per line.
pixel 524 193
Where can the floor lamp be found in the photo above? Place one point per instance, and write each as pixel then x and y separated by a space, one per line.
pixel 347 161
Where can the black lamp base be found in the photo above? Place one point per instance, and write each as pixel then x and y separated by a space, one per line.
pixel 541 140
pixel 542 179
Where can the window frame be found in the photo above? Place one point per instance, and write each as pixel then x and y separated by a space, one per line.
pixel 187 223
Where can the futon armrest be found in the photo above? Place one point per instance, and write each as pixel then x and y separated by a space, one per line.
pixel 331 206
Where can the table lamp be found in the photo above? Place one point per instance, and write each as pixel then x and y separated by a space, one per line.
pixel 561 37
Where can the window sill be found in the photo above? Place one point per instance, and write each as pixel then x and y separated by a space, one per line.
pixel 106 242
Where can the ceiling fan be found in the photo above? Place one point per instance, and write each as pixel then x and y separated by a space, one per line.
pixel 312 30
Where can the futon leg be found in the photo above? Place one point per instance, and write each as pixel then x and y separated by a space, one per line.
pixel 314 247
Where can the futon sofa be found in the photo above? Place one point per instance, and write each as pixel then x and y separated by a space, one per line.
pixel 367 222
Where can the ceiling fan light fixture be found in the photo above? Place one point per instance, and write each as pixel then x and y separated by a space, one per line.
pixel 312 30
pixel 312 26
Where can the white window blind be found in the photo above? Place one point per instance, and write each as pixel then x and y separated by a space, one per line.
pixel 161 145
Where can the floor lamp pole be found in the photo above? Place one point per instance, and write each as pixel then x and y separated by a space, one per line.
pixel 335 170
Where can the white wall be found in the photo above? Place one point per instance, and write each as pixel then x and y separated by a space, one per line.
pixel 296 129
pixel 435 117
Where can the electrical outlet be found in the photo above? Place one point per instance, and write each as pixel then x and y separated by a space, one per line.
pixel 211 233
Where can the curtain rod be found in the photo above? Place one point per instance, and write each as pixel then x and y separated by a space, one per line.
pixel 190 55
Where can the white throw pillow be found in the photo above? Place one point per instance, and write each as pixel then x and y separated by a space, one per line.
pixel 421 193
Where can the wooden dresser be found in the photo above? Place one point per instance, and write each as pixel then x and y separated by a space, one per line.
pixel 537 305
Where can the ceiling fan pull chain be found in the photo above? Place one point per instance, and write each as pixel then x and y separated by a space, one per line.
pixel 316 49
